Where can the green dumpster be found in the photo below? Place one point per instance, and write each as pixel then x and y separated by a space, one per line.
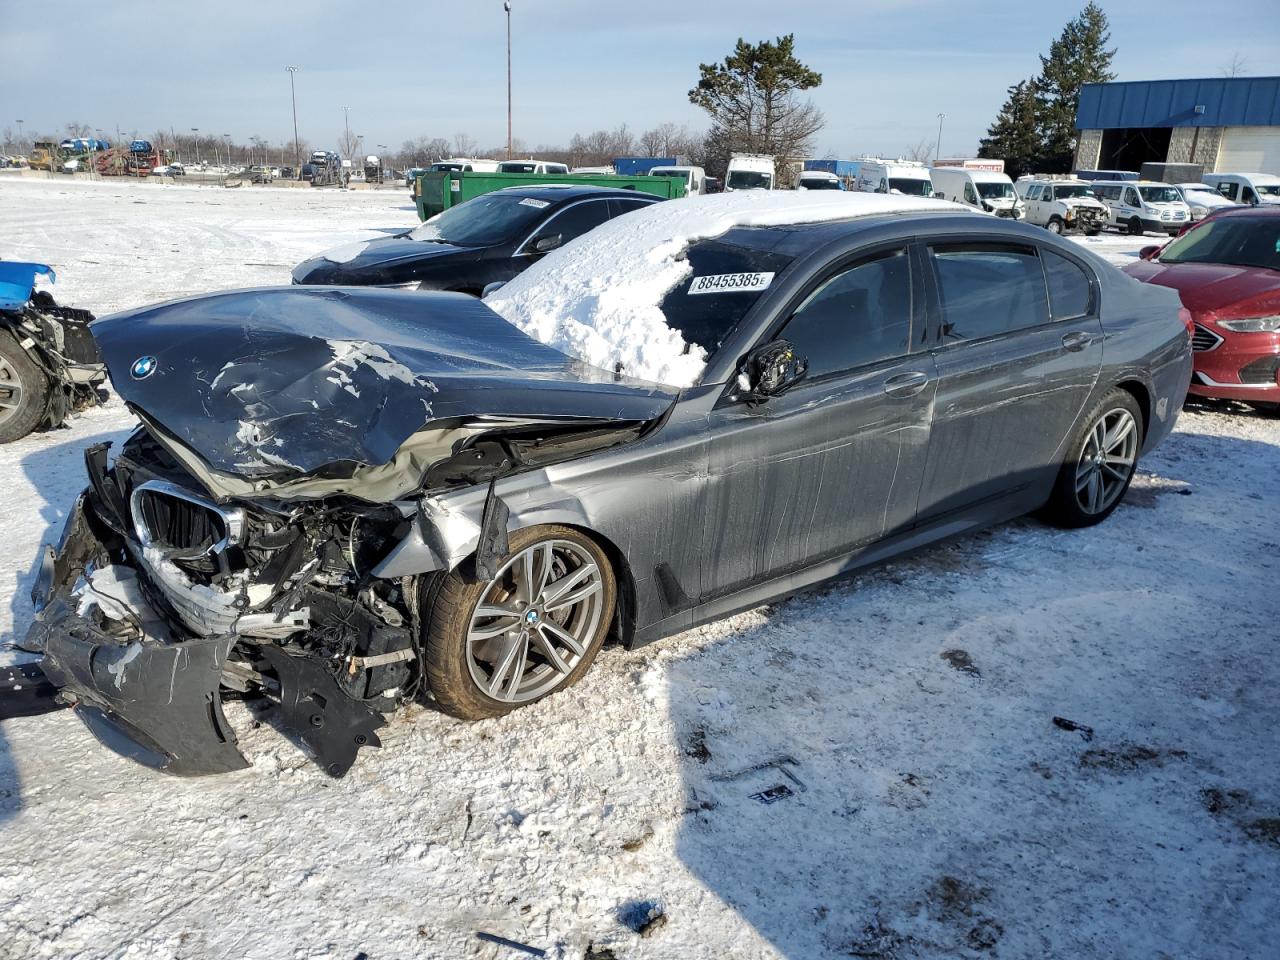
pixel 435 192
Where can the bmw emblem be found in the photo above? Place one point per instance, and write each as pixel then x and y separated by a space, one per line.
pixel 143 367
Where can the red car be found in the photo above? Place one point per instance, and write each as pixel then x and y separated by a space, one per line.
pixel 1227 270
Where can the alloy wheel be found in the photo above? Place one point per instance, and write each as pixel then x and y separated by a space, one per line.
pixel 11 392
pixel 1107 460
pixel 534 621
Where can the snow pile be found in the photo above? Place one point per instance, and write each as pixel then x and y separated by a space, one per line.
pixel 598 298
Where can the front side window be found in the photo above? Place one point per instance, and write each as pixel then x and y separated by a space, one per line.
pixel 1131 198
pixel 969 195
pixel 988 289
pixel 1249 196
pixel 576 220
pixel 860 316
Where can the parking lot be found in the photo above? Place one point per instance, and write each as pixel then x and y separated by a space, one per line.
pixel 960 734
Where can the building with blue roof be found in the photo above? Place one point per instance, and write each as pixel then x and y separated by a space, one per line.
pixel 1225 124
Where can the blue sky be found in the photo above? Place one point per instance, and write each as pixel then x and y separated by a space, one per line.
pixel 428 68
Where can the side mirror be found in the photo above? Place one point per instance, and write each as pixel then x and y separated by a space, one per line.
pixel 547 243
pixel 939 195
pixel 770 371
pixel 1149 253
pixel 492 287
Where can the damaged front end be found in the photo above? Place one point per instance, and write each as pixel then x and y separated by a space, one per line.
pixel 158 603
pixel 50 366
pixel 291 442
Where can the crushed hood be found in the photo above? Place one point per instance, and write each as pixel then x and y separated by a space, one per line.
pixel 288 380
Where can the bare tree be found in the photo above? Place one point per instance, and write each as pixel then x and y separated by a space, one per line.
pixel 350 145
pixel 464 145
pixel 1237 67
pixel 922 151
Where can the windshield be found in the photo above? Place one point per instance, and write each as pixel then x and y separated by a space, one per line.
pixel 1159 194
pixel 995 191
pixel 1236 241
pixel 1267 189
pixel 517 168
pixel 484 221
pixel 911 186
pixel 819 183
pixel 748 180
pixel 707 318
pixel 1068 191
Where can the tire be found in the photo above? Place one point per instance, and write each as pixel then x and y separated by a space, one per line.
pixel 476 672
pixel 24 391
pixel 1092 233
pixel 1135 227
pixel 1054 226
pixel 1266 409
pixel 1093 480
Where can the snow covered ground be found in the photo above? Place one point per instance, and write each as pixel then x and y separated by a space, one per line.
pixel 934 810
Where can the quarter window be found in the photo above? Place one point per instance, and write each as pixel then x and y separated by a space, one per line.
pixel 1070 293
pixel 859 316
pixel 988 289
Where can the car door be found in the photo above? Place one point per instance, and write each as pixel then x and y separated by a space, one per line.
pixel 836 461
pixel 1013 372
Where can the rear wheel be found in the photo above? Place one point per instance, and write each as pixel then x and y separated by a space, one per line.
pixel 496 645
pixel 1054 225
pixel 24 391
pixel 1101 461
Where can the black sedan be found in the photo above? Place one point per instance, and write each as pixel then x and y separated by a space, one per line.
pixel 485 240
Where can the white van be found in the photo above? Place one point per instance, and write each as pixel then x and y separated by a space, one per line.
pixel 749 171
pixel 1139 206
pixel 693 177
pixel 1251 188
pixel 987 190
pixel 894 176
pixel 465 165
pixel 817 180
pixel 540 167
pixel 1063 205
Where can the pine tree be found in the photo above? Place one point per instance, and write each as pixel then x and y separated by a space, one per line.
pixel 1077 57
pixel 1015 135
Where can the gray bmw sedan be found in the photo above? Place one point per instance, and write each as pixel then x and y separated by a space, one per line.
pixel 341 500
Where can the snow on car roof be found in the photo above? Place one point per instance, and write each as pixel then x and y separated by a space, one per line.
pixel 598 298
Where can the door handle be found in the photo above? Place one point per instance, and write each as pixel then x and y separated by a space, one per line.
pixel 906 384
pixel 1077 341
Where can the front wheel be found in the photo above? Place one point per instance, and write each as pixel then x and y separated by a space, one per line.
pixel 24 391
pixel 1054 226
pixel 496 645
pixel 1265 408
pixel 1135 227
pixel 1102 458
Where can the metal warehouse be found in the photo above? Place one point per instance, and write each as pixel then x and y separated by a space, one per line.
pixel 1227 124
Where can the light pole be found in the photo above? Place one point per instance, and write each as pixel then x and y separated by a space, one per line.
pixel 938 150
pixel 20 141
pixel 297 155
pixel 196 130
pixel 506 5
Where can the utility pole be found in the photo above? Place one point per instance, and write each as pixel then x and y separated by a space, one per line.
pixel 346 130
pixel 506 5
pixel 297 155
pixel 196 130
pixel 938 148
pixel 20 141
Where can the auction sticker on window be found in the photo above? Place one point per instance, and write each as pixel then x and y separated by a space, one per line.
pixel 535 202
pixel 730 283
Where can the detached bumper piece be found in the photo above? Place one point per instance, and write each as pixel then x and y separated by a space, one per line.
pixel 25 691
pixel 157 699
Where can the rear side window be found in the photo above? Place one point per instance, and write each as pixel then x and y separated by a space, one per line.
pixel 1070 293
pixel 988 289
pixel 859 316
